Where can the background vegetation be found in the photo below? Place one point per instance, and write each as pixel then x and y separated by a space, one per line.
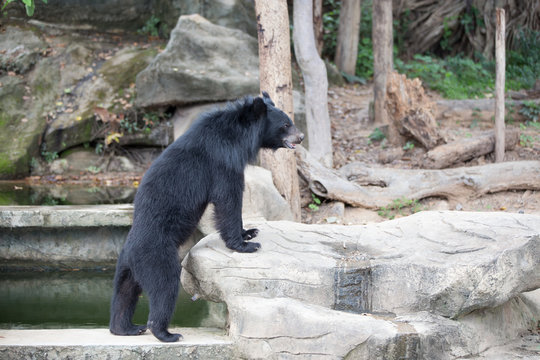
pixel 454 76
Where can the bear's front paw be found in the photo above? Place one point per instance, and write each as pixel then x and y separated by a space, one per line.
pixel 249 233
pixel 247 247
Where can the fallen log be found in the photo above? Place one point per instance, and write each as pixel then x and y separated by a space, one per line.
pixel 360 185
pixel 452 184
pixel 327 183
pixel 466 149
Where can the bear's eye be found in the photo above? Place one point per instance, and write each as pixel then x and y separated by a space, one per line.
pixel 286 126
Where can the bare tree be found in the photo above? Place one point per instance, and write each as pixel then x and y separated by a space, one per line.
pixel 315 82
pixel 275 78
pixel 348 36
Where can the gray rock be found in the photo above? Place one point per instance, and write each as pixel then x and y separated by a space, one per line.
pixel 23 101
pixel 429 269
pixel 76 124
pixel 20 49
pixel 261 201
pixel 185 116
pixel 202 62
pixel 112 14
pixel 132 15
pixel 235 14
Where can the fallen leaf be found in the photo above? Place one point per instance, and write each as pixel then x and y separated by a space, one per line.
pixel 113 137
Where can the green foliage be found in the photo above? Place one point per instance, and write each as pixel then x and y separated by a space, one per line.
pixel 49 156
pixel 93 169
pixel 364 62
pixel 526 140
pixel 408 146
pixel 330 27
pixel 447 33
pixel 99 148
pixel 454 77
pixel 471 19
pixel 530 110
pixel 154 27
pixel 376 135
pixel 145 125
pixel 523 61
pixel 399 206
pixel 34 163
pixel 314 205
pixel 29 5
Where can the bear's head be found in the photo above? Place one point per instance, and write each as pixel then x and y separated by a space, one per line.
pixel 279 130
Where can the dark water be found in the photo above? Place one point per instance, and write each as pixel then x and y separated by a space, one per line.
pixel 22 193
pixel 75 299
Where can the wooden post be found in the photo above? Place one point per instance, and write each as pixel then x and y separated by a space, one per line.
pixel 275 78
pixel 500 65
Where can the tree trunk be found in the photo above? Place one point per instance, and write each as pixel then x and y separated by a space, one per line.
pixel 315 82
pixel 318 29
pixel 382 62
pixel 500 65
pixel 275 78
pixel 377 187
pixel 348 36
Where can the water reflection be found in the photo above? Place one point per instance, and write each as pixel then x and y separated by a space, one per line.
pixel 81 299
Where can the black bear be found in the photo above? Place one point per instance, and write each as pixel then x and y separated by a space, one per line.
pixel 205 165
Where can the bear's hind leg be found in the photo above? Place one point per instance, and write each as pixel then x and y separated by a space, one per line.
pixel 125 297
pixel 162 290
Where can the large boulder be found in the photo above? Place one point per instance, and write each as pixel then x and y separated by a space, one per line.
pixel 202 62
pixel 437 278
pixel 90 86
pixel 133 14
pixel 23 101
pixel 49 92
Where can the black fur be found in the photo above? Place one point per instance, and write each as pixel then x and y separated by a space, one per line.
pixel 205 165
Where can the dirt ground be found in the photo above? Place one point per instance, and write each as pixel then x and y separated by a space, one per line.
pixel 348 107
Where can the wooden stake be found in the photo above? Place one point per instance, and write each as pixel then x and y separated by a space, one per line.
pixel 500 65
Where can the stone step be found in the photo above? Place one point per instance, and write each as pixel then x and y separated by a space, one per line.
pixel 13 217
pixel 198 343
pixel 83 237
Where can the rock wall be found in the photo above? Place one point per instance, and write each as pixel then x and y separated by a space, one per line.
pixel 53 78
pixel 132 14
pixel 435 285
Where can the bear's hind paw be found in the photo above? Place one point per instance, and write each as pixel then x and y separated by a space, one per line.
pixel 249 233
pixel 131 330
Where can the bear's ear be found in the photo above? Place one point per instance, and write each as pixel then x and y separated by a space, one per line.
pixel 259 107
pixel 267 99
